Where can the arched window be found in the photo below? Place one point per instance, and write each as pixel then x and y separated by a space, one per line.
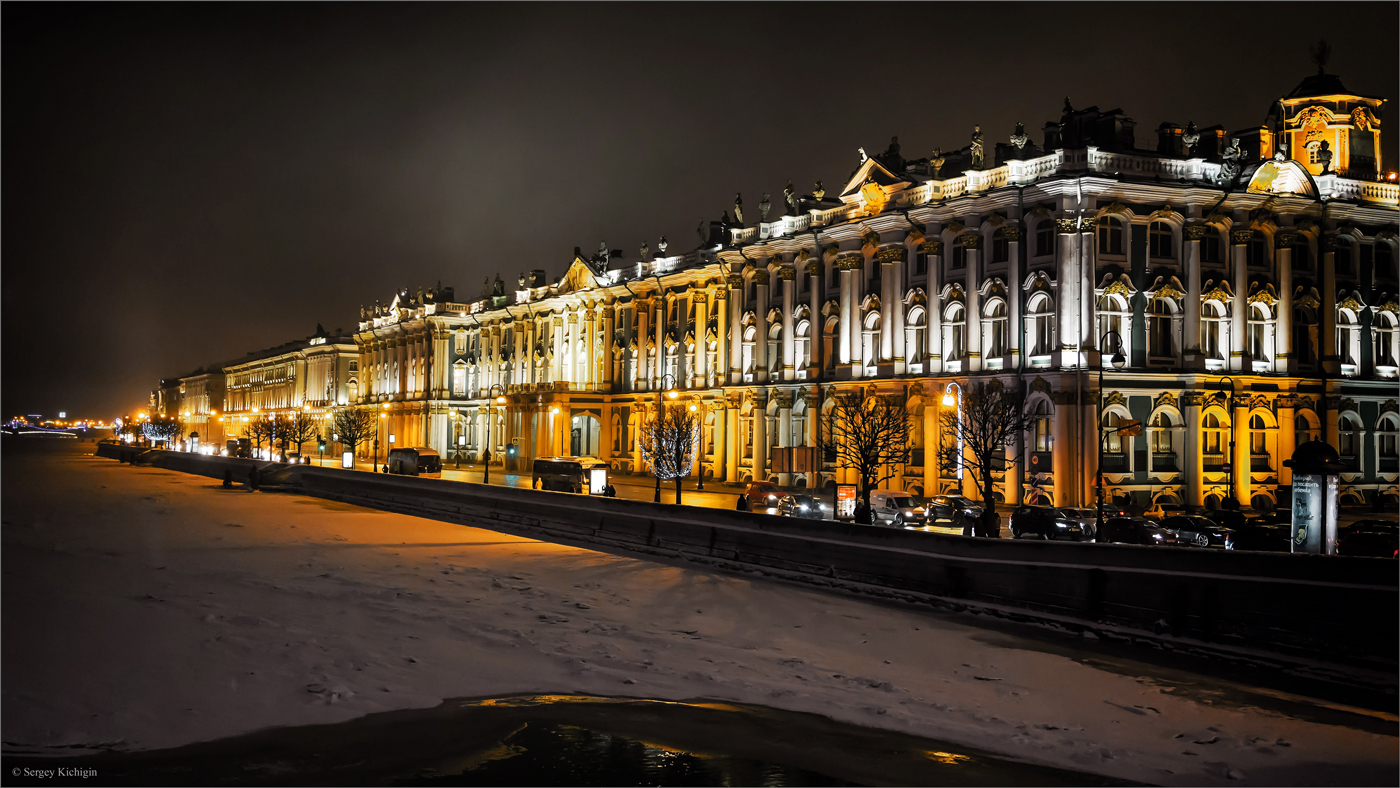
pixel 1387 431
pixel 1112 442
pixel 1159 328
pixel 1040 417
pixel 995 344
pixel 1348 439
pixel 1214 318
pixel 1348 333
pixel 870 339
pixel 1258 435
pixel 1042 324
pixel 1000 248
pixel 1159 240
pixel 775 348
pixel 1385 260
pixel 1304 330
pixel 746 359
pixel 954 321
pixel 1161 441
pixel 915 348
pixel 1305 428
pixel 1383 339
pixel 1260 325
pixel 801 338
pixel 1114 315
pixel 1110 232
pixel 459 342
pixel 1213 441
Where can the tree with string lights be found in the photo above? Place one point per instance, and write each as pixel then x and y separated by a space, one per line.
pixel 161 428
pixel 668 443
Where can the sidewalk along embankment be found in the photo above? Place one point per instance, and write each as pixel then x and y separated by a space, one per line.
pixel 1328 616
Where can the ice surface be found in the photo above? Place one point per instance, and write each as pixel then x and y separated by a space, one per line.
pixel 146 609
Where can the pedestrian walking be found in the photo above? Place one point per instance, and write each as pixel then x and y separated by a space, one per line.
pixel 863 513
pixel 253 478
pixel 228 478
pixel 743 504
pixel 610 491
pixel 962 522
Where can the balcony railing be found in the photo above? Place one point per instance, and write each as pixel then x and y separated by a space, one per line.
pixel 1389 464
pixel 1115 462
pixel 1163 463
pixel 1212 462
pixel 1349 462
pixel 1260 462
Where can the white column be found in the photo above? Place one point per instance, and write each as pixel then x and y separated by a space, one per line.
pixel 972 243
pixel 1066 270
pixel 1013 311
pixel 785 429
pixel 789 278
pixel 760 313
pixel 556 372
pixel 609 321
pixel 1191 329
pixel 760 435
pixel 1283 325
pixel 894 313
pixel 734 444
pixel 846 326
pixel 1195 491
pixel 736 330
pixel 721 371
pixel 720 433
pixel 659 373
pixel 816 333
pixel 590 343
pixel 1239 259
pixel 934 338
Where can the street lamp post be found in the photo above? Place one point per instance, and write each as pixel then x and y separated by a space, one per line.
pixel 1118 361
pixel 1230 460
pixel 660 406
pixel 490 417
pixel 382 420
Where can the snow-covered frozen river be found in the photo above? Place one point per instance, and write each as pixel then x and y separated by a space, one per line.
pixel 147 609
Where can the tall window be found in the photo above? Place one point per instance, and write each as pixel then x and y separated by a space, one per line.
pixel 459 345
pixel 1385 261
pixel 801 336
pixel 835 277
pixel 1112 442
pixel 1041 418
pixel 915 349
pixel 459 379
pixel 1303 332
pixel 955 320
pixel 1385 327
pixel 959 253
pixel 996 330
pixel 1387 430
pixel 1000 248
pixel 920 263
pixel 1258 435
pixel 1162 434
pixel 1348 436
pixel 1110 232
pixel 1159 240
pixel 1304 429
pixel 1258 253
pixel 1347 331
pixel 1343 258
pixel 1159 328
pixel 1213 330
pixel 806 281
pixel 1042 326
pixel 1259 333
pixel 1302 253
pixel 875 267
pixel 1210 247
pixel 1212 434
pixel 1113 316
pixel 1045 238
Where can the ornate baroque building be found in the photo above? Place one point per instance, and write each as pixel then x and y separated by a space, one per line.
pixel 1249 281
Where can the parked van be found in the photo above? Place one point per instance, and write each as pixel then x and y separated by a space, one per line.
pixel 896 507
pixel 571 474
pixel 415 461
pixel 240 447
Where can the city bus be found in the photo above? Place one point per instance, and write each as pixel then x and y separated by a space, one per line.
pixel 571 474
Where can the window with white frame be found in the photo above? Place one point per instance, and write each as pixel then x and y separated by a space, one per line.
pixel 1112 441
pixel 870 339
pixel 915 348
pixel 1383 339
pixel 995 329
pixel 1000 248
pixel 1348 336
pixel 1348 436
pixel 1305 428
pixel 459 379
pixel 801 340
pixel 1045 238
pixel 1387 432
pixel 1041 320
pixel 1115 316
pixel 1214 319
pixel 1260 333
pixel 1213 438
pixel 954 324
pixel 1159 327
pixel 1161 441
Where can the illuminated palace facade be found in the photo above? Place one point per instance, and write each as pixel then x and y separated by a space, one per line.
pixel 1248 279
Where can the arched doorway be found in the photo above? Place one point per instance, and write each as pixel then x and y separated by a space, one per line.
pixel 584 435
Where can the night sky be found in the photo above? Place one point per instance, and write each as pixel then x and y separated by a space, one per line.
pixel 185 183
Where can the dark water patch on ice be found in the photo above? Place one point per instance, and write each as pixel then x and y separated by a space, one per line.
pixel 568 740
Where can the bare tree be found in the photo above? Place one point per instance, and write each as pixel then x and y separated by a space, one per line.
pixel 668 443
pixel 297 428
pixel 258 430
pixel 987 420
pixel 354 426
pixel 868 435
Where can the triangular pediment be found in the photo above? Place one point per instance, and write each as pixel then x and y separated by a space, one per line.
pixel 578 278
pixel 872 171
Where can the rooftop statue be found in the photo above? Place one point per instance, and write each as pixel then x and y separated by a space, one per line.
pixel 790 198
pixel 1324 154
pixel 486 287
pixel 1018 137
pixel 976 148
pixel 863 155
pixel 520 280
pixel 936 161
pixel 701 230
pixel 738 209
pixel 499 289
pixel 661 245
pixel 893 149
pixel 1230 163
pixel 819 192
pixel 1068 109
pixel 1190 138
pixel 646 252
pixel 764 206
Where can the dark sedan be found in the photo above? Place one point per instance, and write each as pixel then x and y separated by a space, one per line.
pixel 1044 522
pixel 941 507
pixel 1191 529
pixel 1261 535
pixel 1371 538
pixel 1134 530
pixel 806 507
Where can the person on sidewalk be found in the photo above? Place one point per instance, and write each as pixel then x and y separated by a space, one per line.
pixel 253 478
pixel 228 478
pixel 743 504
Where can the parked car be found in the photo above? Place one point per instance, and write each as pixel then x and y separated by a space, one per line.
pixel 1134 530
pixel 1264 536
pixel 1159 511
pixel 1373 538
pixel 1045 522
pixel 1088 519
pixel 896 507
pixel 763 496
pixel 415 461
pixel 940 507
pixel 806 507
pixel 1197 530
pixel 1228 518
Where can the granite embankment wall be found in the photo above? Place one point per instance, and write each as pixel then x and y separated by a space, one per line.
pixel 1330 609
